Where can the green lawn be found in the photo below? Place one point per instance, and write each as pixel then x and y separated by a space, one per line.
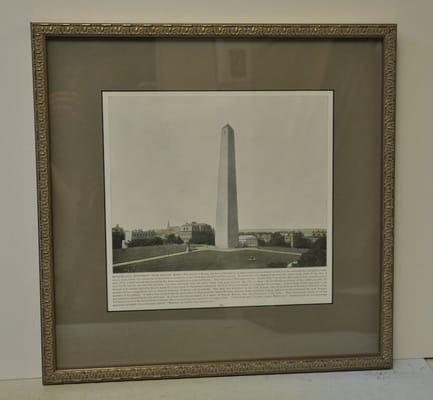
pixel 137 253
pixel 211 260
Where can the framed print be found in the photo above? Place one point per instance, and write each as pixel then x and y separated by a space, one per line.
pixel 210 242
pixel 214 199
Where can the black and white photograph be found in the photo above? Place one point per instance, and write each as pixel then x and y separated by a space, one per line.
pixel 233 187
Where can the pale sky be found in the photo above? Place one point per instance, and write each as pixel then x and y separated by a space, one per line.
pixel 162 151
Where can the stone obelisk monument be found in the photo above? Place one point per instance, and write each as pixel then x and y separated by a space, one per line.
pixel 226 227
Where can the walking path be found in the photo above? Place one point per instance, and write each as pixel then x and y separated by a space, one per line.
pixel 156 257
pixel 292 253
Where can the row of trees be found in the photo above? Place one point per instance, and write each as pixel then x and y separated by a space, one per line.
pixel 155 241
pixel 203 237
pixel 277 240
pixel 117 236
pixel 315 256
pixel 197 238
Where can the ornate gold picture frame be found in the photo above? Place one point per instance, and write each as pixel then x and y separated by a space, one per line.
pixel 82 341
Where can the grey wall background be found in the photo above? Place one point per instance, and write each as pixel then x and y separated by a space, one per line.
pixel 19 286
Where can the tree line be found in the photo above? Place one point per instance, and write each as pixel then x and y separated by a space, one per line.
pixel 277 240
pixel 315 256
pixel 197 238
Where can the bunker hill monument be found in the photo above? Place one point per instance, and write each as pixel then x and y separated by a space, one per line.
pixel 226 226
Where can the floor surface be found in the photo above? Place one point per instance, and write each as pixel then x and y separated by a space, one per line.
pixel 410 379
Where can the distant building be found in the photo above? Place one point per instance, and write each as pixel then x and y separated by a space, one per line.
pixel 170 230
pixel 317 234
pixel 265 236
pixel 138 234
pixel 296 238
pixel 194 231
pixel 128 237
pixel 248 241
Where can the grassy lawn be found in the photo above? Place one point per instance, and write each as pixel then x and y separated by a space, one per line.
pixel 211 260
pixel 137 253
